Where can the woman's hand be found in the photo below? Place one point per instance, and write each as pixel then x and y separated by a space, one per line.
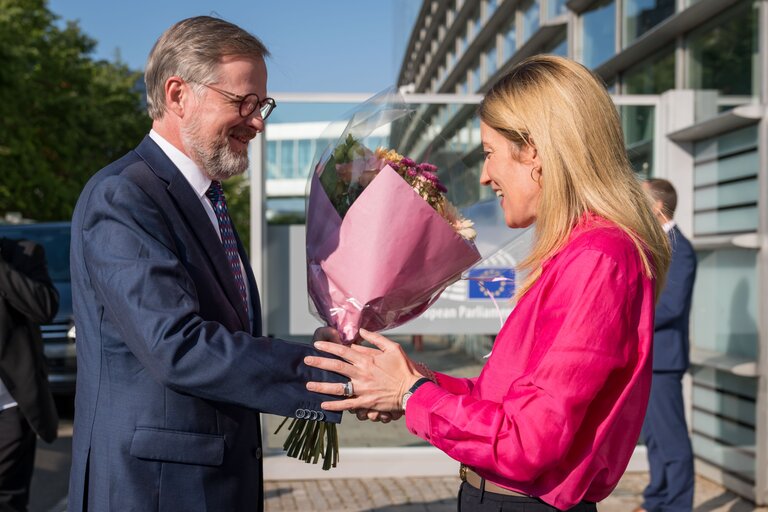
pixel 379 376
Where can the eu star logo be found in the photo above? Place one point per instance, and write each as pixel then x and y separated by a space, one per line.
pixel 486 283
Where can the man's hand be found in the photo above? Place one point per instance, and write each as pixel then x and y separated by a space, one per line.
pixel 383 417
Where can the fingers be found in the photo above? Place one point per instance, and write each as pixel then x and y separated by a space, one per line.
pixel 331 365
pixel 376 339
pixel 371 415
pixel 327 334
pixel 326 388
pixel 341 405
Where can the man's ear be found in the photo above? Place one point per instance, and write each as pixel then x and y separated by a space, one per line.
pixel 176 95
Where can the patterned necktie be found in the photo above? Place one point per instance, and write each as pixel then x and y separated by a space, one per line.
pixel 216 195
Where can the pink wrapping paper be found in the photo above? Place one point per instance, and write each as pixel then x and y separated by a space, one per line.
pixel 386 262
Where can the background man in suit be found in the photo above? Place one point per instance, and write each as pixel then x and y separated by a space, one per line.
pixel 172 365
pixel 665 432
pixel 27 299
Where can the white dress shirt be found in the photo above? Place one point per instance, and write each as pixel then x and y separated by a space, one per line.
pixel 199 183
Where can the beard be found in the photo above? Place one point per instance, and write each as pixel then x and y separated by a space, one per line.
pixel 215 157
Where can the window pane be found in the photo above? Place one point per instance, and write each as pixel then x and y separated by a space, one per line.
pixel 306 154
pixel 287 160
pixel 732 406
pixel 724 317
pixel 729 194
pixel 559 46
pixel 652 76
pixel 638 125
pixel 510 41
pixel 474 76
pixel 728 143
pixel 743 165
pixel 723 420
pixel 530 13
pixel 642 15
pixel 737 220
pixel 273 170
pixel 599 33
pixel 555 8
pixel 491 61
pixel 723 54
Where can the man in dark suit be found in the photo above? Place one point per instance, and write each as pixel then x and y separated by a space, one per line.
pixel 665 432
pixel 27 299
pixel 173 369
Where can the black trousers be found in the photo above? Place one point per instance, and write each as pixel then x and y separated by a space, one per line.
pixel 17 460
pixel 475 500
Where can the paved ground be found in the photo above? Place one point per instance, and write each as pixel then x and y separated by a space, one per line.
pixel 439 495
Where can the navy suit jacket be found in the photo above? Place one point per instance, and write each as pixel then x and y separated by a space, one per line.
pixel 671 326
pixel 171 376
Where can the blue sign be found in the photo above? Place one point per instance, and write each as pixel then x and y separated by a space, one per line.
pixel 486 283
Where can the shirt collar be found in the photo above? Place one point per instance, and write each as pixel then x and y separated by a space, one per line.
pixel 667 226
pixel 188 168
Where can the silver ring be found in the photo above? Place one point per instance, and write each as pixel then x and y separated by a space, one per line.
pixel 348 390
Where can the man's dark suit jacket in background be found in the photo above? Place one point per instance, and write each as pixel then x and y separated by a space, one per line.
pixel 665 431
pixel 27 299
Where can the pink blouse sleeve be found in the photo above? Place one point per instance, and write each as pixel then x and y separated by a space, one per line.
pixel 455 385
pixel 584 354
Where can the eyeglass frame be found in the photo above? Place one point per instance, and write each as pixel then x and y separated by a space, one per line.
pixel 236 98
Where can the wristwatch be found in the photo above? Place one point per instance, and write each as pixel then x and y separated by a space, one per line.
pixel 408 393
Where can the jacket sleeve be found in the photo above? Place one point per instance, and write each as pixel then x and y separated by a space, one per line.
pixel 676 295
pixel 130 257
pixel 582 319
pixel 26 286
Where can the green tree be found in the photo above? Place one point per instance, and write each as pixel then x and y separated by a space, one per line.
pixel 238 192
pixel 63 115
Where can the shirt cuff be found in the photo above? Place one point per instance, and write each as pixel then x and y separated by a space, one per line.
pixel 419 409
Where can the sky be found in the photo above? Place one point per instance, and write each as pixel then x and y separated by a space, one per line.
pixel 316 45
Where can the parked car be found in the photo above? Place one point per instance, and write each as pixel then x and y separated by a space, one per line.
pixel 59 335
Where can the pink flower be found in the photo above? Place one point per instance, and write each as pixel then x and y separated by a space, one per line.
pixel 427 167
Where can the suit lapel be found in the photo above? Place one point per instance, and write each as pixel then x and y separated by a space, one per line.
pixel 198 221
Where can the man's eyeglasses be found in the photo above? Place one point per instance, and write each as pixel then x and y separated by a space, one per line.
pixel 248 103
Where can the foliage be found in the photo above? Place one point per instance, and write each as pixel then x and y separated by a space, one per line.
pixel 63 115
pixel 238 193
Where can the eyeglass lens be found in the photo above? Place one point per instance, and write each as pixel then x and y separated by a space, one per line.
pixel 251 102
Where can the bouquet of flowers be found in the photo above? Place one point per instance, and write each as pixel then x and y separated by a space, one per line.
pixel 383 241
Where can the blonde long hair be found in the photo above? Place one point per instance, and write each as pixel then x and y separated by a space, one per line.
pixel 561 109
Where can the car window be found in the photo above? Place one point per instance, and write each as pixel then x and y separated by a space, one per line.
pixel 55 241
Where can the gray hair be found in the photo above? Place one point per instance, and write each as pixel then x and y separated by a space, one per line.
pixel 192 49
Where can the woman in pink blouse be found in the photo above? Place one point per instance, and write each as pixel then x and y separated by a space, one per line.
pixel 553 418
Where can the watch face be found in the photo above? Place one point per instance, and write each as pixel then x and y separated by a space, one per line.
pixel 406 396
